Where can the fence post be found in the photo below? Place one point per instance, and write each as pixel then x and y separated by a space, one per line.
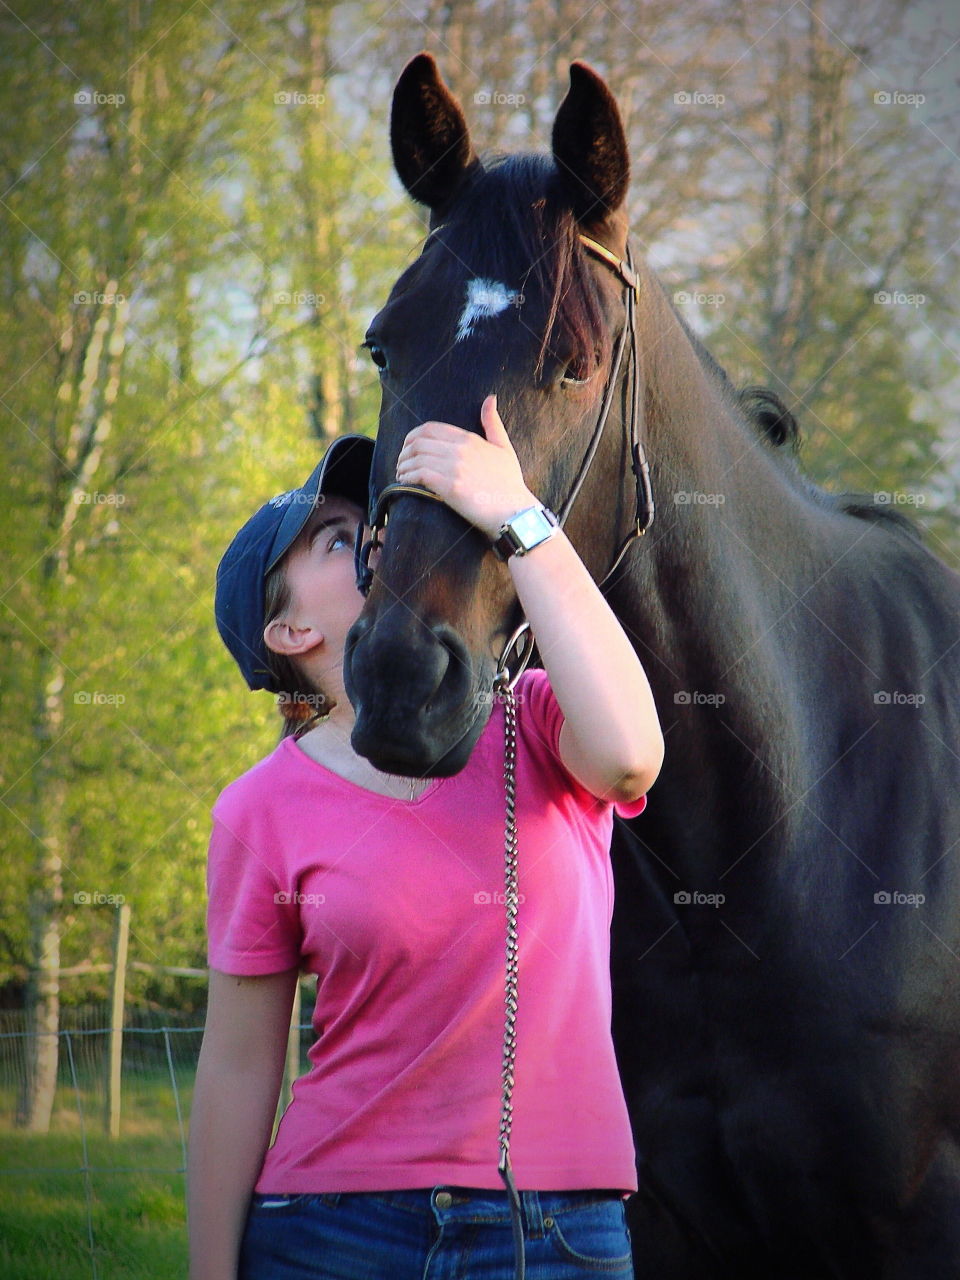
pixel 291 1068
pixel 115 1055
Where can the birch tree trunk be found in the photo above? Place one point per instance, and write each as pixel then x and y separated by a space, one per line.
pixel 74 475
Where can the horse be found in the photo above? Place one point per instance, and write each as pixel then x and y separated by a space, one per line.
pixel 786 936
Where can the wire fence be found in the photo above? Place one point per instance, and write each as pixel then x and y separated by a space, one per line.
pixel 78 1173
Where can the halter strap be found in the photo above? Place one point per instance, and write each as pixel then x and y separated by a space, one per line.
pixel 624 269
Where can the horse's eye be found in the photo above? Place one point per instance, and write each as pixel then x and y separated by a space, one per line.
pixel 377 355
pixel 578 371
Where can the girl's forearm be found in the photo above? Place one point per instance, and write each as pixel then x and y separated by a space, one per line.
pixel 611 739
pixel 230 1126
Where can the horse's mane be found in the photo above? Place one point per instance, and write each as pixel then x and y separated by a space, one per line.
pixel 538 237
pixel 763 410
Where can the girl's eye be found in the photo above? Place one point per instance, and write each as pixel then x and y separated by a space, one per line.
pixel 340 539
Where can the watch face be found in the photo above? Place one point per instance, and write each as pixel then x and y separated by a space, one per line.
pixel 531 527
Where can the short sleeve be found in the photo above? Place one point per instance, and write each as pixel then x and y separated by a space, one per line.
pixel 631 808
pixel 542 709
pixel 253 926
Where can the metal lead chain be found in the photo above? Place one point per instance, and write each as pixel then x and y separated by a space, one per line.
pixel 511 898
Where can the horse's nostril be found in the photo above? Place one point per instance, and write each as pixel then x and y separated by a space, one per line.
pixel 458 657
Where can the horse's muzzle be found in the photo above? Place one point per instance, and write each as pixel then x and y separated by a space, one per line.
pixel 413 688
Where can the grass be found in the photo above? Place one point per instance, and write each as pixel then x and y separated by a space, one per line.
pixel 130 1200
pixel 135 1211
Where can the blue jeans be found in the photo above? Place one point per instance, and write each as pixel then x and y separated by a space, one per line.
pixel 448 1233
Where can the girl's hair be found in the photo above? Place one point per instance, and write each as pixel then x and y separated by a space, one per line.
pixel 301 702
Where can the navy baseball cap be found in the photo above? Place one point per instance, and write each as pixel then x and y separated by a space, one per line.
pixel 343 472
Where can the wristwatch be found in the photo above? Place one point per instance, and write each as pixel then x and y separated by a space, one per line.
pixel 524 531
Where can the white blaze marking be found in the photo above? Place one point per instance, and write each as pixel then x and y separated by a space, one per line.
pixel 484 298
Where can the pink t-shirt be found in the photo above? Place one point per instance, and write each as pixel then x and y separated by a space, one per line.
pixel 397 907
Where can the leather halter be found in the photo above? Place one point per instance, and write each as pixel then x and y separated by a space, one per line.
pixel 623 268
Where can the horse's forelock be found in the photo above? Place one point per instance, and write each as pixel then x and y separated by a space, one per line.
pixel 514 224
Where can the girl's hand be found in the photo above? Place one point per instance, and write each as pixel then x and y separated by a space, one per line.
pixel 479 478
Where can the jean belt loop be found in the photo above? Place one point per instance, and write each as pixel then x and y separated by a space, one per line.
pixel 533 1214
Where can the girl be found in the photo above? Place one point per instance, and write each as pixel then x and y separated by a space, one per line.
pixel 385 1162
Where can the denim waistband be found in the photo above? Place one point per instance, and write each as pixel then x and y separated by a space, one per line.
pixel 450 1203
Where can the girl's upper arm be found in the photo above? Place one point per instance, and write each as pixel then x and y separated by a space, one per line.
pixel 248 1017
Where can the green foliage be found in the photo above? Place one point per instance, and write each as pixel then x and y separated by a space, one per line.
pixel 252 239
pixel 189 199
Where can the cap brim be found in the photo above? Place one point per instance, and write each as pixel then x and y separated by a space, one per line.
pixel 344 471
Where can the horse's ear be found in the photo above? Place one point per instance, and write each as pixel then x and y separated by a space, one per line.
pixel 589 146
pixel 431 142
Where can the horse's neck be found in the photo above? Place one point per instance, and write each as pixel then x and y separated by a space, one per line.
pixel 711 579
pixel 730 514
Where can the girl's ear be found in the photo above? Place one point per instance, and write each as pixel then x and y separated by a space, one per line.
pixel 292 642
